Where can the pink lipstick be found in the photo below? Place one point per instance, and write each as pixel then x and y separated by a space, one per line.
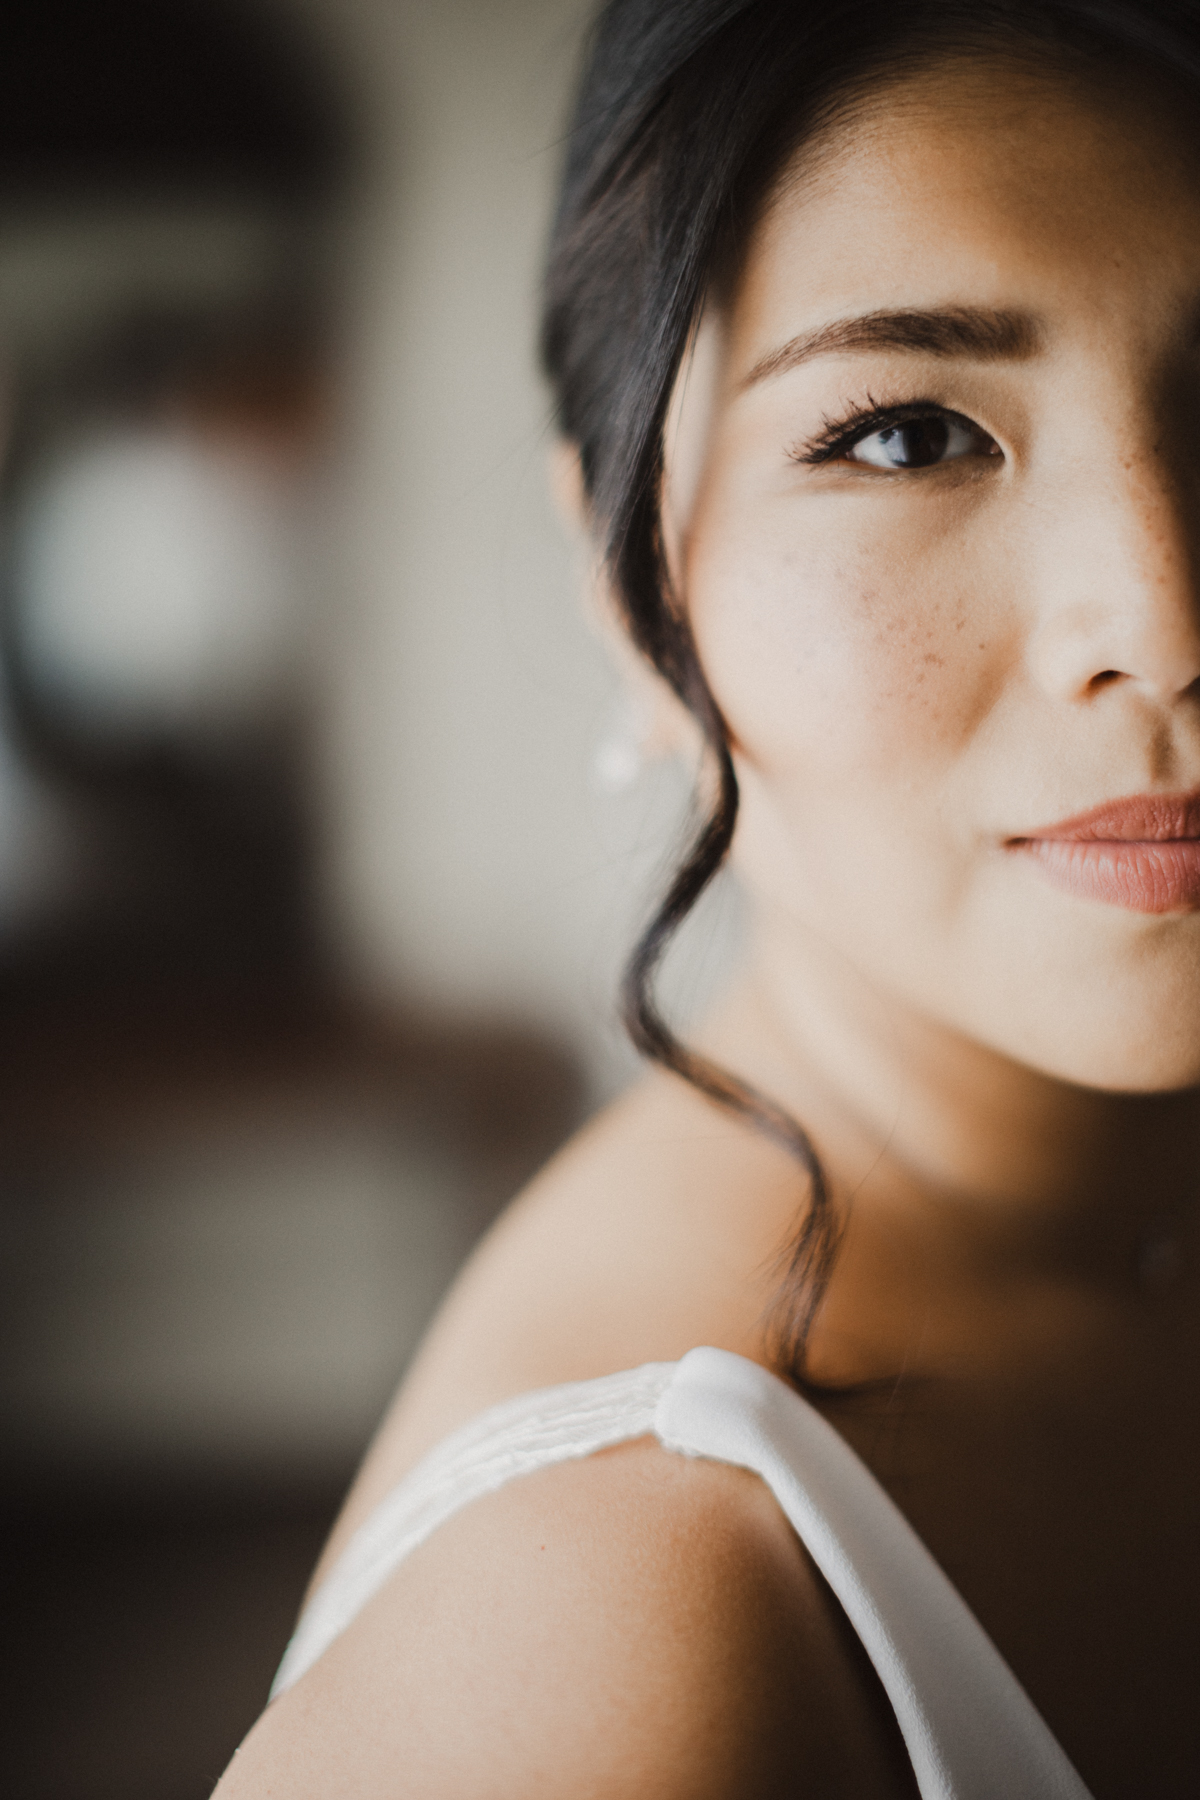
pixel 1142 853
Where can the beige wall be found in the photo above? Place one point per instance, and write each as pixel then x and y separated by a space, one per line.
pixel 471 863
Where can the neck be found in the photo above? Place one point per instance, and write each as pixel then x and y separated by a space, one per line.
pixel 1022 1170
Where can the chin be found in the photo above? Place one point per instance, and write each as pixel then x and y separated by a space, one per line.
pixel 1167 1080
pixel 1121 1059
pixel 1112 1003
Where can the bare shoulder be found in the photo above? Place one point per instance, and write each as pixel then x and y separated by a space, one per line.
pixel 653 1231
pixel 636 1623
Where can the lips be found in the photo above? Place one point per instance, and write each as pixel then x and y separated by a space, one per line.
pixel 1142 853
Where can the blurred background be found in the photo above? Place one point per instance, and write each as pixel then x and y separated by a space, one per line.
pixel 320 842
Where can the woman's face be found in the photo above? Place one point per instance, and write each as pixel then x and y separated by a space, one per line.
pixel 933 495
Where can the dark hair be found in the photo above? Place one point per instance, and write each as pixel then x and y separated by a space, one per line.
pixel 686 111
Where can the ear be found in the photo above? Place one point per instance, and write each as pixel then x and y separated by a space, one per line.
pixel 565 468
pixel 665 727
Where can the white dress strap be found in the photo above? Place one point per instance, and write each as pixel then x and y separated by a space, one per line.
pixel 971 1731
pixel 515 1438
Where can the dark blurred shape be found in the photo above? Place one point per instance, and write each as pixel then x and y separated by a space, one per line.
pixel 130 1683
pixel 148 1599
pixel 154 489
pixel 230 1193
pixel 170 175
pixel 96 94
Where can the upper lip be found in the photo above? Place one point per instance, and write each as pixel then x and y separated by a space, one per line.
pixel 1138 818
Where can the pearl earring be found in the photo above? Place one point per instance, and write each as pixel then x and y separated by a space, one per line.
pixel 619 759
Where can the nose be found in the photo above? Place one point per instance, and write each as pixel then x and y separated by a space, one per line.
pixel 1119 584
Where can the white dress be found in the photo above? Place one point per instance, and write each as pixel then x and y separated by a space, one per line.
pixel 971 1731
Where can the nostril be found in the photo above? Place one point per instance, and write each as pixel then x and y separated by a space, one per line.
pixel 1103 679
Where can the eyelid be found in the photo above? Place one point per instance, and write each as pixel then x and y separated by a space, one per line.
pixel 859 422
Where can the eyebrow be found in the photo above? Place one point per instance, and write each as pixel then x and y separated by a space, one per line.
pixel 977 332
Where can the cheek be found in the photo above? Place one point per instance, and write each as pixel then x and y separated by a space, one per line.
pixel 841 666
pixel 855 654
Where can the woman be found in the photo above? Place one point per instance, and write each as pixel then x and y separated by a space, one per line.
pixel 874 331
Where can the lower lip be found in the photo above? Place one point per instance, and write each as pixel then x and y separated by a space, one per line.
pixel 1143 876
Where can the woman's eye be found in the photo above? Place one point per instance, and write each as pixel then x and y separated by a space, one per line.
pixel 921 443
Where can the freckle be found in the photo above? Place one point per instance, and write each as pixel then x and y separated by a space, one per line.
pixel 937 661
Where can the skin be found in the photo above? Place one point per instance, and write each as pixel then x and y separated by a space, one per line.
pixel 916 666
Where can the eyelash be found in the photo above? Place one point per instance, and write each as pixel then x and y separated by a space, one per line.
pixel 859 422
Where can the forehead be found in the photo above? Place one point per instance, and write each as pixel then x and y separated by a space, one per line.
pixel 1007 185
